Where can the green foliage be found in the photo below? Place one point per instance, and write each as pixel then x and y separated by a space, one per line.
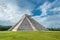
pixel 4 28
pixel 7 35
pixel 54 29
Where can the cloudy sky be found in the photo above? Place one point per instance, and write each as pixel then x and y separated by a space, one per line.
pixel 46 12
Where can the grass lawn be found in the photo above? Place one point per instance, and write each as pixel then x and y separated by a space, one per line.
pixel 8 35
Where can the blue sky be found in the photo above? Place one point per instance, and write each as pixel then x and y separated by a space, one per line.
pixel 46 12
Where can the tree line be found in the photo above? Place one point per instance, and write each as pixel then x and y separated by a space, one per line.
pixel 5 28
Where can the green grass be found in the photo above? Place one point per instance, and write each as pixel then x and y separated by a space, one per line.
pixel 7 35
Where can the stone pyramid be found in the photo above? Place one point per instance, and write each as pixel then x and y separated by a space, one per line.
pixel 27 24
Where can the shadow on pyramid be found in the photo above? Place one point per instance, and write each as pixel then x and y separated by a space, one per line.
pixel 27 24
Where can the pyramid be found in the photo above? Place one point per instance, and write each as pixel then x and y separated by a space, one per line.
pixel 27 24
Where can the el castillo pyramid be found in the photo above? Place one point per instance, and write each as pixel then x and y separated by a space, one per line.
pixel 27 24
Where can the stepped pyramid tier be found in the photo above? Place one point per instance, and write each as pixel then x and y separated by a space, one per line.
pixel 27 24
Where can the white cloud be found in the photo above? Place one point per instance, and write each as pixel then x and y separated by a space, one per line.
pixel 10 12
pixel 52 21
pixel 46 20
pixel 55 9
pixel 39 19
pixel 45 7
pixel 56 3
